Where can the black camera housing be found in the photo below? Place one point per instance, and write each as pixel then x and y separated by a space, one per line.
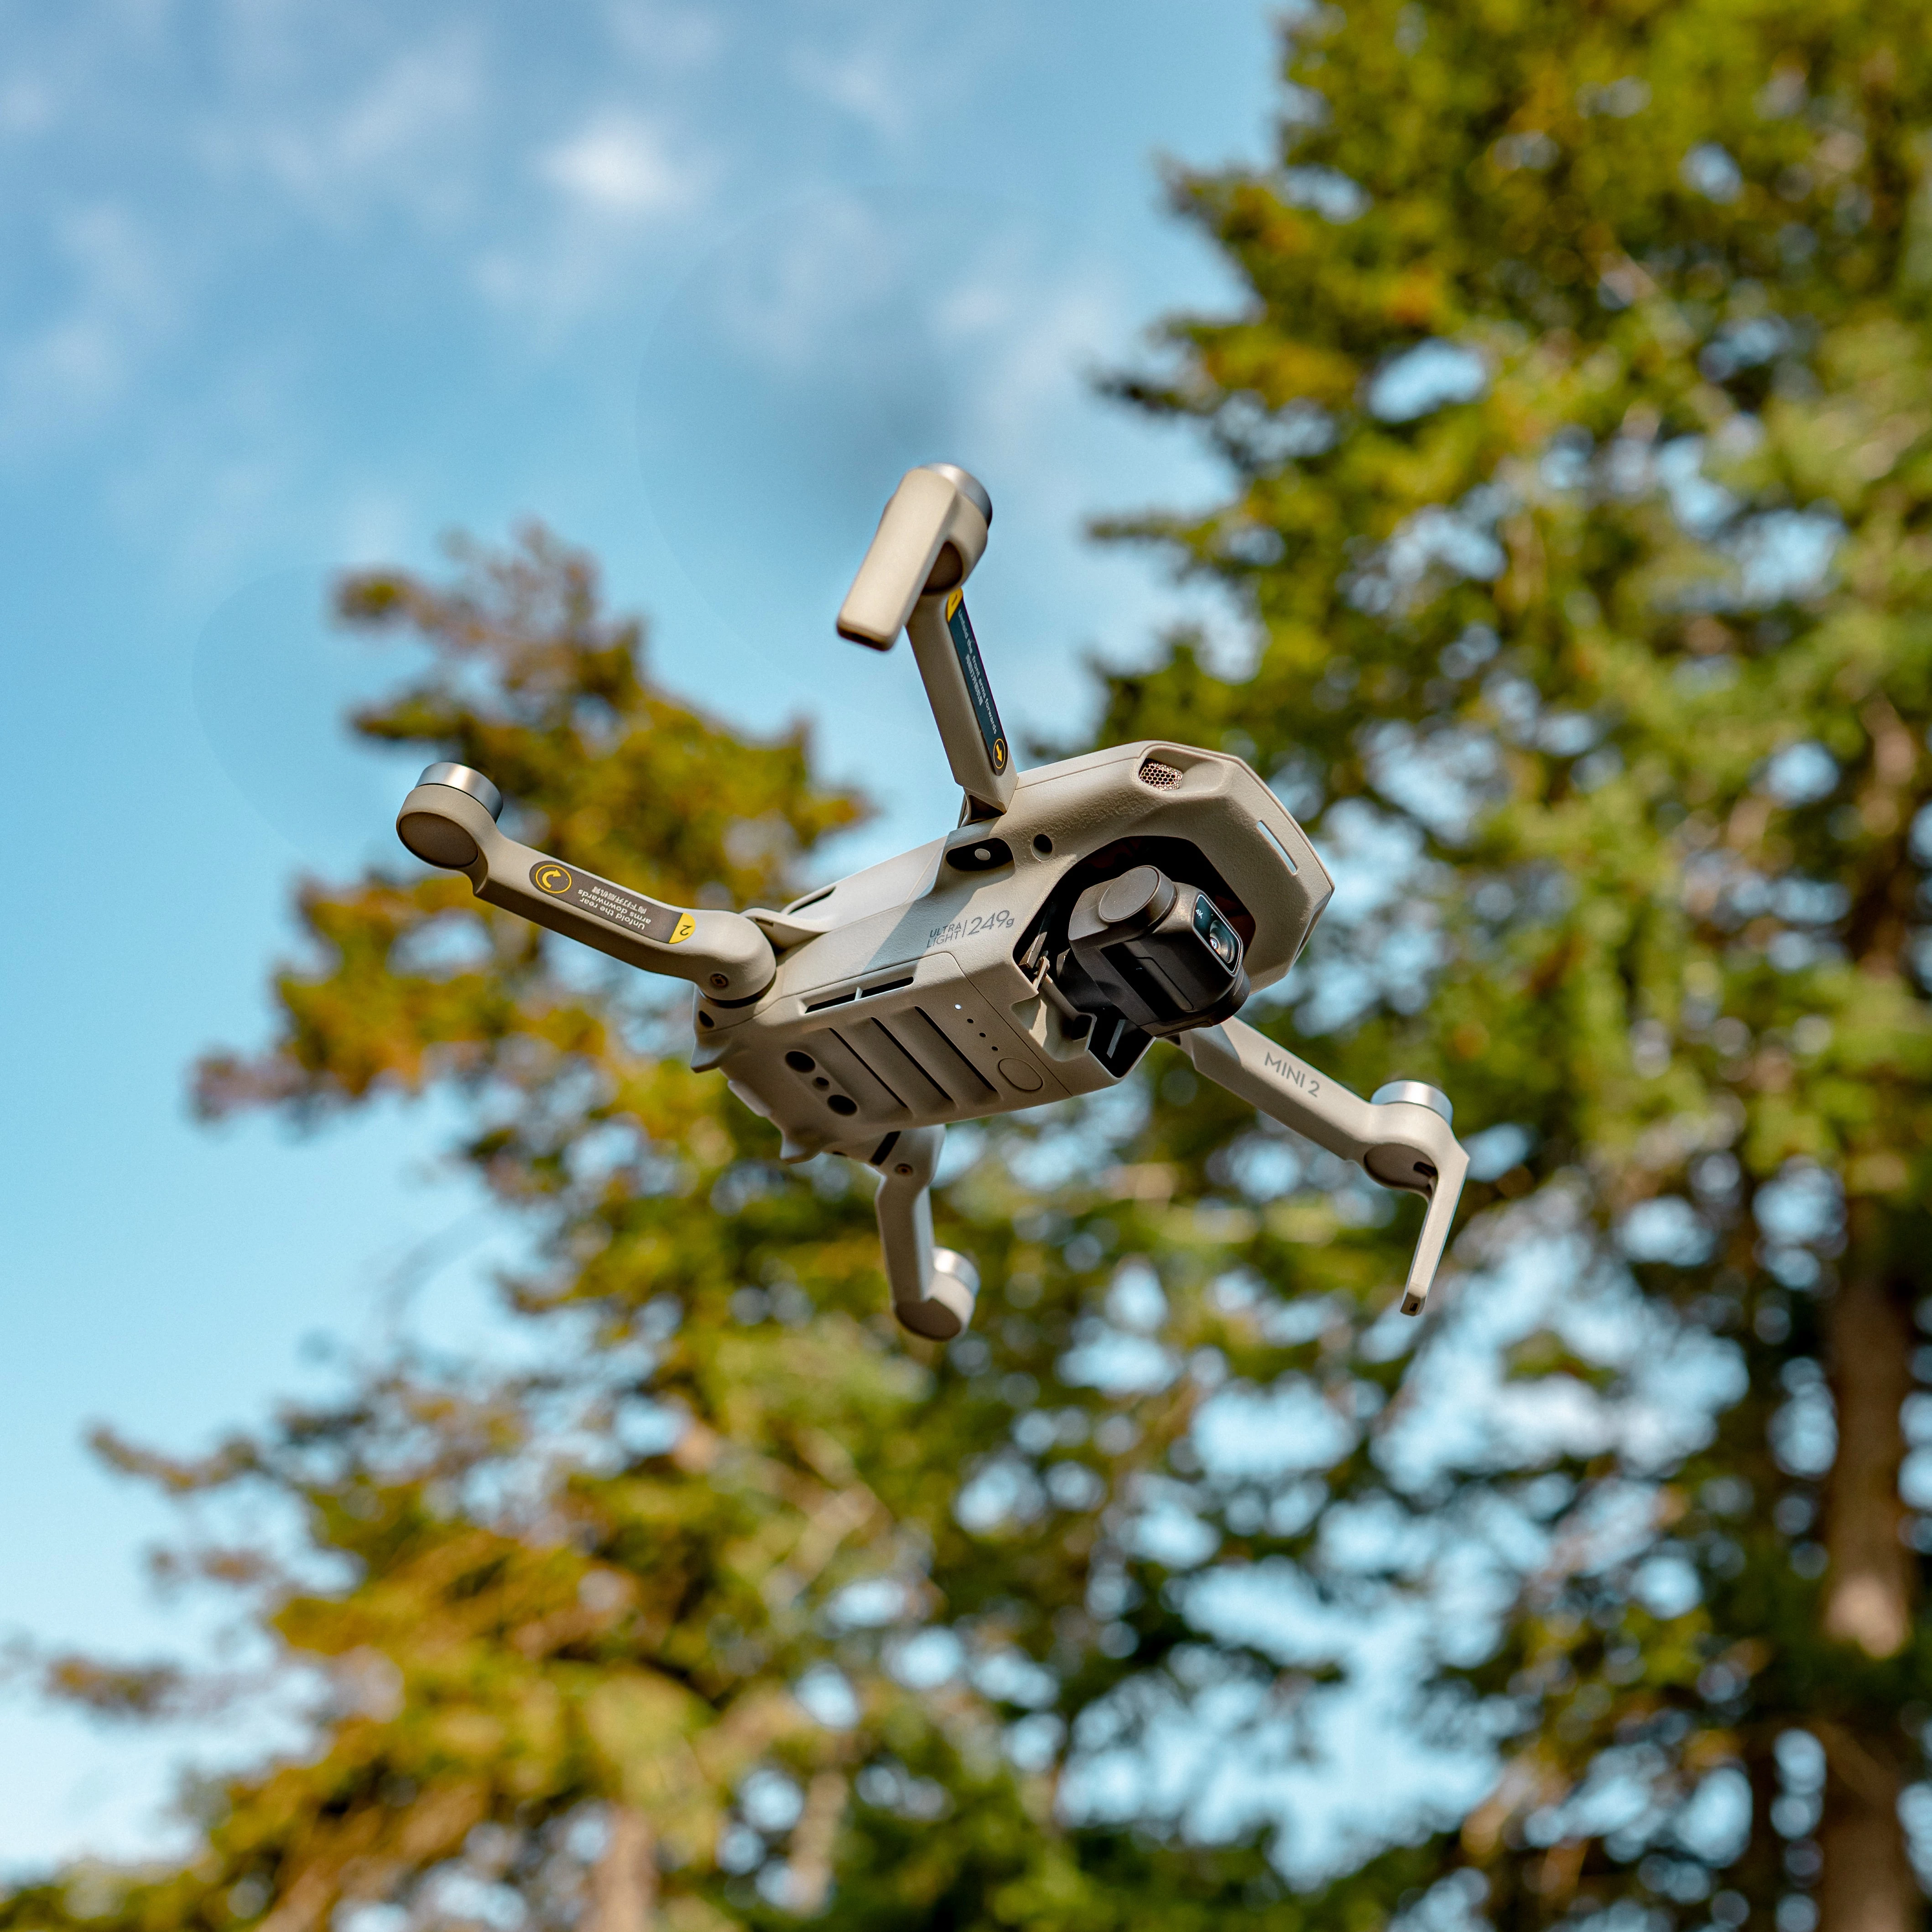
pixel 1159 953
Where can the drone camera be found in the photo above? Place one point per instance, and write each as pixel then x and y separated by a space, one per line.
pixel 1159 953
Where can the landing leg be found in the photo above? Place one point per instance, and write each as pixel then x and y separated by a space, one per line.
pixel 932 1287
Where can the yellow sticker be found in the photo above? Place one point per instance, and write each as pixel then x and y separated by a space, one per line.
pixel 953 603
pixel 613 905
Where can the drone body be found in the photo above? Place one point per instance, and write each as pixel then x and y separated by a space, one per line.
pixel 1080 911
pixel 907 985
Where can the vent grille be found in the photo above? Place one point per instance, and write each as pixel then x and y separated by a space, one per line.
pixel 901 1066
pixel 943 1058
pixel 1163 778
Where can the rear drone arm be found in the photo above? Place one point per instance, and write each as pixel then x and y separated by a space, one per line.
pixel 450 820
pixel 1401 1138
pixel 932 1287
pixel 933 532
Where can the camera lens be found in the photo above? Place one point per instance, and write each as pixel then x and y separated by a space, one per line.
pixel 1212 928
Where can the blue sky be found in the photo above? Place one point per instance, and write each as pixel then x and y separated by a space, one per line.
pixel 291 286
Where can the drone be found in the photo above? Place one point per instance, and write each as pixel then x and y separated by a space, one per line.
pixel 1077 912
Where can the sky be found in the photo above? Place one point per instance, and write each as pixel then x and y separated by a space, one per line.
pixel 293 285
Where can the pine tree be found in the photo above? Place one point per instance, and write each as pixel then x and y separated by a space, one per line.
pixel 578 1628
pixel 1578 418
pixel 632 1639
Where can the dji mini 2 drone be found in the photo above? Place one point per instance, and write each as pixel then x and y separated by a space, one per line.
pixel 1079 911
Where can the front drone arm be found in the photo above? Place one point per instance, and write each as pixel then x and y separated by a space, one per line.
pixel 1402 1142
pixel 450 820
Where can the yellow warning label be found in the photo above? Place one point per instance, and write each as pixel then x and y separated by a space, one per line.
pixel 663 925
pixel 953 603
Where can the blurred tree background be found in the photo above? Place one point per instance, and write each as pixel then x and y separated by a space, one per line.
pixel 1578 423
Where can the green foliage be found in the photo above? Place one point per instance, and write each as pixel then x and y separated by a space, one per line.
pixel 1662 805
pixel 1639 795
pixel 577 1631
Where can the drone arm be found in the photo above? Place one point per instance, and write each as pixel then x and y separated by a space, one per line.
pixel 932 534
pixel 450 820
pixel 1403 1142
pixel 932 1287
pixel 937 507
pixel 948 656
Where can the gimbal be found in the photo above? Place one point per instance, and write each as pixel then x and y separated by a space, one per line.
pixel 1078 911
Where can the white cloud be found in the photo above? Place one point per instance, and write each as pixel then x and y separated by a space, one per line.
pixel 803 281
pixel 65 374
pixel 620 164
pixel 408 138
pixel 26 106
pixel 867 81
pixel 374 524
pixel 621 177
pixel 665 36
pixel 897 66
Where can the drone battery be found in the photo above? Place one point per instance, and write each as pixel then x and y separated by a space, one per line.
pixel 1160 953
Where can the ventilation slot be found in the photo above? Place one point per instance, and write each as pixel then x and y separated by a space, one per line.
pixel 1274 839
pixel 1163 778
pixel 866 1083
pixel 925 1037
pixel 889 1060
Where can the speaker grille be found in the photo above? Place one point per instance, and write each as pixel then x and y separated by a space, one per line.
pixel 1163 778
